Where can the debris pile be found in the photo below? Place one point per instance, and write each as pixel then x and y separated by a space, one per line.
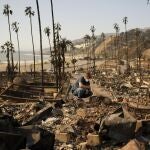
pixel 113 118
pixel 130 88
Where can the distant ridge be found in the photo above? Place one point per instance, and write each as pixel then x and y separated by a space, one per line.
pixel 81 40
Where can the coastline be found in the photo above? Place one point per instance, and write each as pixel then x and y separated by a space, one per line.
pixel 26 66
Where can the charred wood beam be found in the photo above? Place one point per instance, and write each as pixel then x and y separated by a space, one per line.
pixel 39 115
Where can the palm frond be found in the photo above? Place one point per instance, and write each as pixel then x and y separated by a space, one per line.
pixel 28 11
pixel 7 10
pixel 125 20
pixel 11 12
pixel 47 31
pixel 32 13
pixel 15 26
pixel 92 29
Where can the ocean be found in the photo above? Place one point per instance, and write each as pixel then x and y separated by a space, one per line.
pixel 25 56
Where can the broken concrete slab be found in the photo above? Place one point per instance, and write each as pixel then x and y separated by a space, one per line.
pixel 62 137
pixel 93 139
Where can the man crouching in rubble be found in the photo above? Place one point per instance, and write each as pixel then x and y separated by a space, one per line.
pixel 81 88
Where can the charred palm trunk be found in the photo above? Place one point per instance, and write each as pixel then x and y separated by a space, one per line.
pixel 8 65
pixel 54 40
pixel 59 61
pixel 86 44
pixel 120 45
pixel 105 53
pixel 119 53
pixel 18 50
pixel 91 53
pixel 32 45
pixel 93 50
pixel 116 50
pixel 127 53
pixel 87 53
pixel 50 51
pixel 112 53
pixel 93 46
pixel 41 50
pixel 63 60
pixel 12 60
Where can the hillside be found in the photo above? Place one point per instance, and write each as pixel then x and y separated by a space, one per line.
pixel 109 40
pixel 137 40
pixel 110 43
pixel 146 54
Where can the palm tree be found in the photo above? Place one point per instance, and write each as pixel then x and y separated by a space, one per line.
pixel 30 13
pixel 54 42
pixel 16 29
pixel 125 21
pixel 88 51
pixel 103 39
pixel 93 40
pixel 117 29
pixel 41 50
pixel 74 61
pixel 8 48
pixel 53 22
pixel 63 47
pixel 58 52
pixel 7 12
pixel 57 29
pixel 87 42
pixel 64 44
pixel 47 33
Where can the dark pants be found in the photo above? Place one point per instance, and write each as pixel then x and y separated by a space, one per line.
pixel 81 92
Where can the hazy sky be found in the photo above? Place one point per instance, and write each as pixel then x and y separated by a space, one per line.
pixel 75 17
